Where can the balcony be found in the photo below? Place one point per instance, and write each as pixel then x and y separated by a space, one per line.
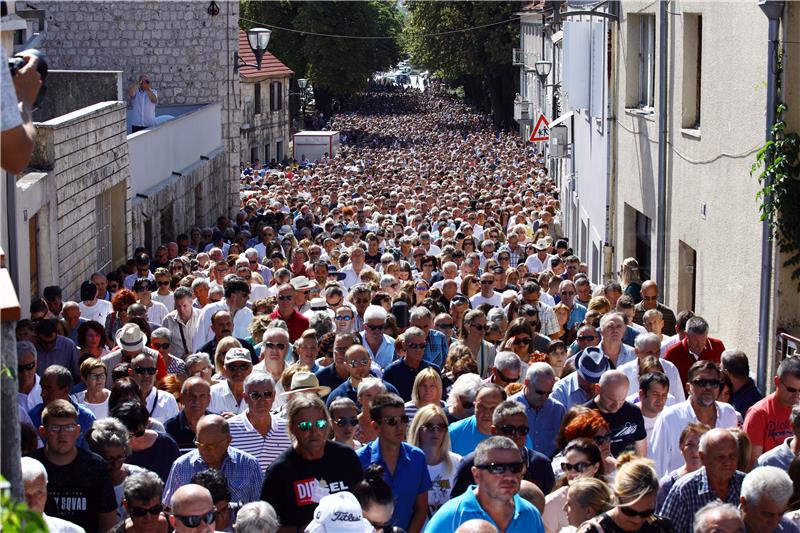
pixel 518 57
pixel 522 112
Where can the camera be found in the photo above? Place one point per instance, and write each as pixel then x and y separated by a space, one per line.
pixel 17 61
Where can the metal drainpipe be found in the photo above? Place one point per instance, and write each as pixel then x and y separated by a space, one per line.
pixel 661 191
pixel 773 10
pixel 12 254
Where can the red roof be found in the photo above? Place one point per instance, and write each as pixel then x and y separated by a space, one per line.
pixel 271 67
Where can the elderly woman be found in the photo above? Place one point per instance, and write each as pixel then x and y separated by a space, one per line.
pixel 150 449
pixel 312 460
pixel 368 389
pixel 108 438
pixel 92 340
pixel 95 397
pixel 344 418
pixel 427 390
pixel 472 336
pixel 199 365
pixel 160 340
pixel 142 501
pixel 461 399
pixel 689 444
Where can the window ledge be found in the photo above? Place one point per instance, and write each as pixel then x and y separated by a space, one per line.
pixel 643 112
pixel 694 133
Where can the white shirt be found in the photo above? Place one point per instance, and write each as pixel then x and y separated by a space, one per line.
pixel 33 398
pixel 631 369
pixel 143 111
pixel 97 312
pixel 257 292
pixel 265 448
pixel 156 312
pixel 100 410
pixel 161 405
pixel 496 300
pixel 352 277
pixel 240 322
pixel 547 298
pixel 536 265
pixel 9 106
pixel 59 525
pixel 670 423
pixel 189 329
pixel 222 400
pixel 168 300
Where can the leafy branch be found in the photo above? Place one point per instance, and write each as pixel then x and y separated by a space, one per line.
pixel 16 517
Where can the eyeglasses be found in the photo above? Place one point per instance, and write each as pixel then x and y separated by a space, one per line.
pixel 568 293
pixel 790 390
pixel 193 521
pixel 520 341
pixel 420 288
pixel 207 445
pixel 498 469
pixel 97 377
pixel 240 367
pixel 285 298
pixel 275 345
pixel 627 511
pixel 26 368
pixel 449 325
pixel 392 421
pixel 578 468
pixel 160 345
pixel 487 282
pixel 376 328
pixel 306 425
pixel 415 345
pixel 343 422
pixel 142 511
pixel 508 429
pixel 503 377
pixel 649 298
pixel 709 383
pixel 430 426
pixel 358 363
pixel 543 392
pixel 480 327
pixel 162 283
pixel 141 370
pixel 66 428
pixel 345 318
pixel 258 396
pixel 586 337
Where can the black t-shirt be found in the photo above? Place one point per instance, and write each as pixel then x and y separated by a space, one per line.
pixel 80 491
pixel 655 525
pixel 372 260
pixel 539 472
pixel 627 426
pixel 294 486
pixel 158 457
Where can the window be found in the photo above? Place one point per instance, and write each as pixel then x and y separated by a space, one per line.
pixel 692 54
pixel 253 155
pixel 266 154
pixel 276 96
pixel 257 98
pixel 279 151
pixel 647 60
pixel 103 228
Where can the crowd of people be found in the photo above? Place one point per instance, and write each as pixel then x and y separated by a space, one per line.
pixel 396 337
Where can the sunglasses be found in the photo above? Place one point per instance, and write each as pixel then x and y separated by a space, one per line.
pixel 141 370
pixel 420 288
pixel 306 425
pixel 487 282
pixel 160 345
pixel 142 511
pixel 375 328
pixel 586 337
pixel 568 293
pixel 790 390
pixel 193 521
pixel 241 367
pixel 392 421
pixel 286 298
pixel 480 327
pixel 258 396
pixel 578 468
pixel 445 326
pixel 627 511
pixel 164 283
pixel 508 429
pixel 498 469
pixel 415 345
pixel 276 345
pixel 709 383
pixel 519 341
pixel 345 318
pixel 26 368
pixel 430 426
pixel 343 422
pixel 358 363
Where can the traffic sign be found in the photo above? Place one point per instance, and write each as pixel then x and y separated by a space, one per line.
pixel 540 132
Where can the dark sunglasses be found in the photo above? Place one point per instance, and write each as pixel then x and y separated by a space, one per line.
pixel 586 337
pixel 142 511
pixel 160 345
pixel 498 469
pixel 343 422
pixel 487 282
pixel 240 367
pixel 627 511
pixel 503 377
pixel 480 327
pixel 193 521
pixel 415 345
pixel 150 371
pixel 164 283
pixel 306 425
pixel 449 325
pixel 394 420
pixel 790 390
pixel 375 328
pixel 27 368
pixel 285 298
pixel 277 345
pixel 519 341
pixel 579 468
pixel 430 426
pixel 258 396
pixel 708 383
pixel 508 429
pixel 601 439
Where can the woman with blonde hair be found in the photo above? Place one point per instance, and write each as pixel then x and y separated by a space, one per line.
pixel 635 489
pixel 428 431
pixel 587 498
pixel 630 279
pixel 427 390
pixel 224 344
pixel 472 335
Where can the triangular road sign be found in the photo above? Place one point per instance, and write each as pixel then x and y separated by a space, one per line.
pixel 541 132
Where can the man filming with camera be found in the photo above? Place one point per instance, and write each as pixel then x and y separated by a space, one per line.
pixel 18 93
pixel 143 98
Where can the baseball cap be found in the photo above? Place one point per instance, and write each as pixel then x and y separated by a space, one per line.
pixel 339 513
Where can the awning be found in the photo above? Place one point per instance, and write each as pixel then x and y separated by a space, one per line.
pixel 562 118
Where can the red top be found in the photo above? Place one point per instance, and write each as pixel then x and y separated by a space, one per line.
pixel 767 423
pixel 679 355
pixel 298 323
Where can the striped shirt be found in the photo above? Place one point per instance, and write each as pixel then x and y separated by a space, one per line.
pixel 267 448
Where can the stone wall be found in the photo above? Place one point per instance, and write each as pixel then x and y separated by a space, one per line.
pixel 70 90
pixel 187 53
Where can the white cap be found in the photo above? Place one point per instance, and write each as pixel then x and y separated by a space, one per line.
pixel 339 513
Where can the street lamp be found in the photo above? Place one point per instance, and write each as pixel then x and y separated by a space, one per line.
pixel 543 68
pixel 302 83
pixel 258 39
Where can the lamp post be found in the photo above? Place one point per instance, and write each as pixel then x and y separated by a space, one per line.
pixel 258 39
pixel 303 84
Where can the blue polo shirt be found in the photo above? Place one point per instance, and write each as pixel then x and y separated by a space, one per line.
pixel 402 376
pixel 465 436
pixel 327 377
pixel 543 423
pixel 385 354
pixel 436 348
pixel 347 390
pixel 576 315
pixel 466 507
pixel 410 478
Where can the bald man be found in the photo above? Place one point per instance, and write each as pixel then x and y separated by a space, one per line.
pixel 624 418
pixel 476 526
pixel 192 510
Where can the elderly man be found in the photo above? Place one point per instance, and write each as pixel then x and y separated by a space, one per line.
pixel 193 510
pixel 29 391
pixel 581 386
pixel 71 320
pixel 227 397
pixel 214 450
pixel 466 433
pixel 195 399
pixel 222 326
pixel 763 499
pixel 543 412
pixel 649 293
pixel 695 346
pixel 337 372
pixel 274 347
pixel 782 455
pixel 767 421
pixel 718 517
pixel 577 311
pixel 131 342
pixel 286 311
pixel 403 371
pixel 354 268
pixel 612 329
pixel 34 480
pixel 539 261
pixel 54 349
pixel 56 383
pixel 256 431
pixel 236 291
pixel 626 425
pixel 182 322
pixel 498 470
pixel 717 479
pixel 436 343
pixel 505 369
pixel 160 404
pixel 649 344
pixel 379 345
pixel 509 420
pixel 358 361
pixel 701 406
pixel 745 393
pixel 257 517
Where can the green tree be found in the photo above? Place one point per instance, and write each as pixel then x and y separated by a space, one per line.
pixel 336 66
pixel 478 59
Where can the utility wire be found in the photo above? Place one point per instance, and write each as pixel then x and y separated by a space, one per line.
pixel 377 37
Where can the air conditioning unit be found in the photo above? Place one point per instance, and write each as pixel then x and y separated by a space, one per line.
pixel 517 57
pixel 558 141
pixel 522 111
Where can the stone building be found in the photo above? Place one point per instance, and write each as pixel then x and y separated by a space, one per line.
pixel 265 106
